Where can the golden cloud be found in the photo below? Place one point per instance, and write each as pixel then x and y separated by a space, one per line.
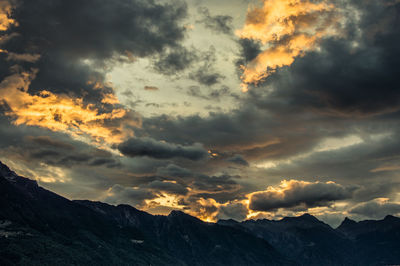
pixel 287 29
pixel 5 12
pixel 62 113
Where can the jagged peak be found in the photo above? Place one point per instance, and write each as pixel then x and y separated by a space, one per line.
pixel 347 222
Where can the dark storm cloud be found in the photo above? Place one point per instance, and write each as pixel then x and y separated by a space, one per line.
pixel 298 193
pixel 218 24
pixel 354 75
pixel 66 33
pixel 161 150
pixel 241 131
pixel 376 209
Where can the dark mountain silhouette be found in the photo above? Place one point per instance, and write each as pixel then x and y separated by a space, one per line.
pixel 308 241
pixel 39 227
pixel 303 239
pixel 375 241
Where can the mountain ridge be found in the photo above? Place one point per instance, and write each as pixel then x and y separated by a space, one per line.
pixel 34 221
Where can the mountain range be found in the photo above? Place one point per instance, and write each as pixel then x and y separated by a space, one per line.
pixel 39 227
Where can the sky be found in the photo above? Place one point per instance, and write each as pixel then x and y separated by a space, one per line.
pixel 224 109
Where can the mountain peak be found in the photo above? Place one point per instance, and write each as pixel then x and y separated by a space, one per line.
pixel 348 221
pixel 304 218
pixel 7 173
pixel 176 214
pixel 347 225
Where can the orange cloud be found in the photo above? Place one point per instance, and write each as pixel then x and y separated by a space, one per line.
pixel 62 113
pixel 5 12
pixel 287 29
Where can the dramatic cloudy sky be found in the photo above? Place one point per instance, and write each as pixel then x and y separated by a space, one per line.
pixel 223 109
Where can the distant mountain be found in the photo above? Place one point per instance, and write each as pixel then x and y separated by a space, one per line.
pixel 39 227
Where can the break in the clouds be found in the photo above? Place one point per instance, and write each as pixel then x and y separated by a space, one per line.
pixel 140 102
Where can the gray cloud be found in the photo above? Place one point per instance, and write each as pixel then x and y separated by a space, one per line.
pixel 161 150
pixel 236 211
pixel 169 187
pixel 376 209
pixel 118 194
pixel 238 159
pixel 205 74
pixel 173 61
pixel 219 24
pixel 296 193
pixel 173 170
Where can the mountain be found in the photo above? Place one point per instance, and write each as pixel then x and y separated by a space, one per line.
pixel 303 239
pixel 308 241
pixel 374 241
pixel 39 227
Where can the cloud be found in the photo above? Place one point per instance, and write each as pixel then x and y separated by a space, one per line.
pixel 169 187
pixel 289 29
pixel 174 61
pixel 219 24
pixel 161 150
pixel 236 211
pixel 60 112
pixel 377 208
pixel 353 75
pixel 5 15
pixel 294 193
pixel 205 74
pixel 173 170
pixel 238 159
pixel 151 88
pixel 118 194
